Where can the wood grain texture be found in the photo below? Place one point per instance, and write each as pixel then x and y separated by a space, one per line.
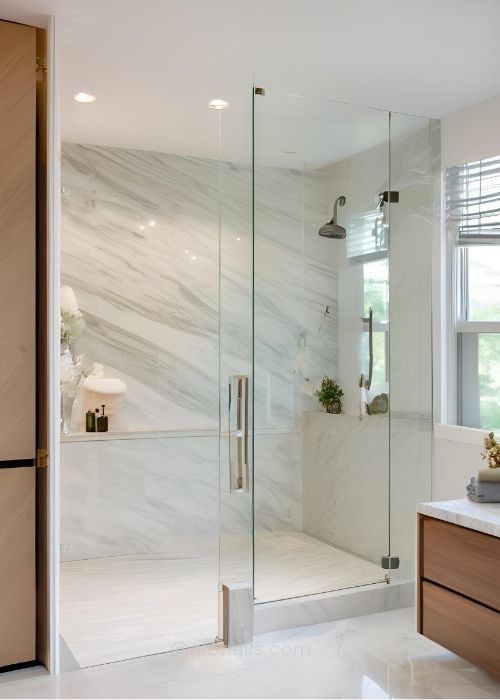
pixel 464 560
pixel 17 565
pixel 420 569
pixel 42 474
pixel 17 241
pixel 462 626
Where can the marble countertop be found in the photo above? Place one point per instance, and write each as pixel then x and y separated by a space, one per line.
pixel 483 517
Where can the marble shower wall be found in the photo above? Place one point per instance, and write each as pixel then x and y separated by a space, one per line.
pixel 161 494
pixel 140 247
pixel 151 310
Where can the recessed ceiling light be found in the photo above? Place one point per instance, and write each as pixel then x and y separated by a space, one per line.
pixel 193 257
pixel 152 222
pixel 84 97
pixel 218 104
pixel 141 227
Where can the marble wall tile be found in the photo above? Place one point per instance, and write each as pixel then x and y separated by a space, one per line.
pixel 151 309
pixel 346 482
pixel 162 495
pixel 133 496
pixel 152 312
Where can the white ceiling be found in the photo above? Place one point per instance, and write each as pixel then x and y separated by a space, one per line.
pixel 154 64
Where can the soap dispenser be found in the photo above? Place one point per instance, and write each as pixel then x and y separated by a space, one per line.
pixel 102 422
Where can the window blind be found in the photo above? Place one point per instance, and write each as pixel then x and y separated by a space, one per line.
pixel 473 201
pixel 367 237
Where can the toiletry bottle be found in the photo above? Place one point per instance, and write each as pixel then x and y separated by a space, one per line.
pixel 90 422
pixel 102 422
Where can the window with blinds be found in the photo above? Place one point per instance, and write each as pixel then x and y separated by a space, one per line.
pixel 473 220
pixel 473 201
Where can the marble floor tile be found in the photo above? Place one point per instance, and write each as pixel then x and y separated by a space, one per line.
pixel 374 656
pixel 116 608
pixel 292 564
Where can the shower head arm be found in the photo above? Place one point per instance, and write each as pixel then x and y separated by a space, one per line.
pixel 340 201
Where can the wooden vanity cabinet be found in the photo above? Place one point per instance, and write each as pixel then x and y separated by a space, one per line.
pixel 458 591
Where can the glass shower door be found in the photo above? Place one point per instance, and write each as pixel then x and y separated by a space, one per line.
pixel 321 310
pixel 235 360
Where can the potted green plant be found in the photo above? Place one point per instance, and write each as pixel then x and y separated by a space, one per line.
pixel 330 395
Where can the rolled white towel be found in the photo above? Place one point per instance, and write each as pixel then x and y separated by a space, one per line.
pixel 489 474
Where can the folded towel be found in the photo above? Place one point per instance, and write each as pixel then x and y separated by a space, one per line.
pixel 489 474
pixel 483 491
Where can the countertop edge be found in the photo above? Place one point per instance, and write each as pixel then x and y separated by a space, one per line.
pixel 482 517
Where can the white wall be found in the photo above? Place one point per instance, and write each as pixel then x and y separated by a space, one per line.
pixel 457 456
pixel 471 133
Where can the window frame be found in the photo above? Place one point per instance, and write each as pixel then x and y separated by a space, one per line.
pixel 466 338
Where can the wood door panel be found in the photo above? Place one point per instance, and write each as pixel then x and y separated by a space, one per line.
pixel 17 565
pixel 17 241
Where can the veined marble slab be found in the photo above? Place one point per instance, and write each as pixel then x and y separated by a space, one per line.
pixel 483 517
pixel 144 252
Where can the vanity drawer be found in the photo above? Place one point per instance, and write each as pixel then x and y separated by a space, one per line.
pixel 466 628
pixel 464 560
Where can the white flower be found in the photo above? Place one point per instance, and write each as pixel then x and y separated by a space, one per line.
pixel 69 302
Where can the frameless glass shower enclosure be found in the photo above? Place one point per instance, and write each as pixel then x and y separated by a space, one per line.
pixel 222 306
pixel 344 298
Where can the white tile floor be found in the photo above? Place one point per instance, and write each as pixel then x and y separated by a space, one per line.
pixel 118 608
pixel 376 656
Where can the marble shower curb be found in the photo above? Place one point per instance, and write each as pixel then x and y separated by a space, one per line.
pixel 337 605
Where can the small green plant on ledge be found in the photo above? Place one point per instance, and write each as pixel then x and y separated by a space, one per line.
pixel 330 395
pixel 492 451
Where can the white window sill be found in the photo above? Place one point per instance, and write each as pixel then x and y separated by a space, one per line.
pixel 457 433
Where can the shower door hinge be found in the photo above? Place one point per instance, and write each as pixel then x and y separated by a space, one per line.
pixel 391 196
pixel 260 91
pixel 42 458
pixel 389 562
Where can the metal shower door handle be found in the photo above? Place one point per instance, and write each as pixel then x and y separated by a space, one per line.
pixel 238 432
pixel 369 320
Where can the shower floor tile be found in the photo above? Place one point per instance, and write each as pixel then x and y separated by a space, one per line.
pixel 117 608
pixel 293 564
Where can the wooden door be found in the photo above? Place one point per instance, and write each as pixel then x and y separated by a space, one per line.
pixel 17 242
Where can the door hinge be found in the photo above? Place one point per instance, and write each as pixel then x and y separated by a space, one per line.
pixel 42 458
pixel 41 64
pixel 260 91
pixel 389 562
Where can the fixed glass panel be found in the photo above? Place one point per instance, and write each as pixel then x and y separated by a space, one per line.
pixel 319 476
pixel 414 164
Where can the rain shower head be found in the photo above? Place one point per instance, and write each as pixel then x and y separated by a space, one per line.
pixel 332 228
